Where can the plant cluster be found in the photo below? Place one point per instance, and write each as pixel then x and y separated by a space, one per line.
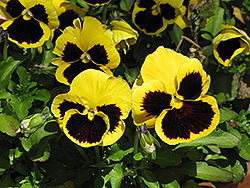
pixel 124 93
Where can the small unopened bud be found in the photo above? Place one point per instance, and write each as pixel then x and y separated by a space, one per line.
pixel 146 139
pixel 35 121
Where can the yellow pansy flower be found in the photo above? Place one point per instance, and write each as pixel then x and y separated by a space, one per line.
pixel 229 43
pixel 96 2
pixel 171 97
pixel 83 47
pixel 30 22
pixel 123 34
pixel 92 112
pixel 153 16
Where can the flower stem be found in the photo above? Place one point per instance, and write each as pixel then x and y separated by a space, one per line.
pixel 82 153
pixel 97 153
pixel 104 13
pixel 5 49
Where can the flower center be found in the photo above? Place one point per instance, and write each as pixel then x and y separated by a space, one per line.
pixel 177 103
pixel 91 114
pixel 155 10
pixel 85 57
pixel 26 15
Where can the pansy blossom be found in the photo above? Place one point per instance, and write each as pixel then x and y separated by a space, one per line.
pixel 67 12
pixel 153 16
pixel 82 47
pixel 30 22
pixel 171 97
pixel 96 2
pixel 229 43
pixel 92 112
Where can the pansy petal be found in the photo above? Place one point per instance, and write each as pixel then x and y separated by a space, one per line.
pixel 149 100
pixel 64 102
pixel 102 51
pixel 11 9
pixel 43 10
pixel 192 80
pixel 27 33
pixel 170 9
pixel 193 120
pixel 163 65
pixel 96 2
pixel 89 84
pixel 66 72
pixel 84 132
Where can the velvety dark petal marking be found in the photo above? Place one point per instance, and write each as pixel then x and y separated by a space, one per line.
pixel 84 130
pixel 227 48
pixel 167 11
pixel 56 34
pixel 155 102
pixel 25 30
pixel 146 3
pixel 66 105
pixel 191 86
pixel 145 20
pixel 114 114
pixel 98 54
pixel 194 116
pixel 75 68
pixel 14 8
pixel 96 2
pixel 71 52
pixel 39 13
pixel 66 18
pixel 186 4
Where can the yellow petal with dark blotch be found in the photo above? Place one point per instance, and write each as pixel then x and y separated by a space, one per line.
pixel 117 90
pixel 84 132
pixel 88 33
pixel 193 120
pixel 68 48
pixel 96 2
pixel 149 100
pixel 112 136
pixel 90 85
pixel 102 51
pixel 169 9
pixel 64 102
pixel 163 65
pixel 27 33
pixel 11 9
pixel 66 72
pixel 42 10
pixel 63 5
pixel 192 80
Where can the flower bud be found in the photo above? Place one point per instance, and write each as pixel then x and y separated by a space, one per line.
pixel 146 139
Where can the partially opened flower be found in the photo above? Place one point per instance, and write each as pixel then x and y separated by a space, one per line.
pixel 96 2
pixel 153 16
pixel 229 43
pixel 92 112
pixel 123 34
pixel 172 97
pixel 83 47
pixel 66 12
pixel 30 22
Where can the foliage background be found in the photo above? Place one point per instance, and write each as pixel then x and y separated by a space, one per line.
pixel 45 157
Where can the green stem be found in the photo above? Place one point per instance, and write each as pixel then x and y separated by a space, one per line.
pixel 90 11
pixel 135 145
pixel 104 13
pixel 82 153
pixel 97 153
pixel 5 49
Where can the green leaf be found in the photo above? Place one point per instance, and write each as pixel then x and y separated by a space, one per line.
pixel 203 171
pixel 6 69
pixel 176 34
pixel 9 121
pixel 42 95
pixel 5 95
pixel 138 156
pixel 117 154
pixel 21 106
pixel 226 114
pixel 167 158
pixel 24 76
pixel 244 151
pixel 116 175
pixel 238 171
pixel 166 181
pixel 83 174
pixel 213 26
pixel 218 137
pixel 149 178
